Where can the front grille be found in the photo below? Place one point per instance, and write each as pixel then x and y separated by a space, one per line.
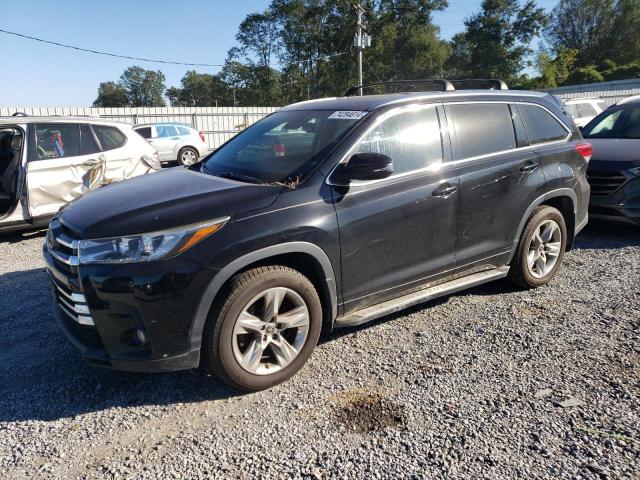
pixel 63 249
pixel 605 183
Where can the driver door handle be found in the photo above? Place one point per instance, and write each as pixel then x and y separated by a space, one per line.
pixel 529 166
pixel 445 190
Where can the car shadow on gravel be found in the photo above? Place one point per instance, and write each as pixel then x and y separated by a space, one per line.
pixel 17 237
pixel 42 377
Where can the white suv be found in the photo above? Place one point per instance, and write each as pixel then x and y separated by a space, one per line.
pixel 175 142
pixel 46 162
pixel 583 110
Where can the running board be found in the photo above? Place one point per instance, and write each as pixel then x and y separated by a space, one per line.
pixel 396 304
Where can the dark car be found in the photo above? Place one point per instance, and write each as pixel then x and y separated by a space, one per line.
pixel 325 214
pixel 614 169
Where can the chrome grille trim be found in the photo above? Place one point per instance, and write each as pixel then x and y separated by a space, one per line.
pixel 67 241
pixel 81 319
pixel 73 304
pixel 71 260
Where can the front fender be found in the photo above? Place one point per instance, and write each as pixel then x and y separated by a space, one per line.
pixel 240 263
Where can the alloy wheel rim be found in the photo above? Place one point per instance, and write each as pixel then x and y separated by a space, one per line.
pixel 188 157
pixel 270 331
pixel 544 249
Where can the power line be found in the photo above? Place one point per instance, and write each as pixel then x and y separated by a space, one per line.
pixel 97 52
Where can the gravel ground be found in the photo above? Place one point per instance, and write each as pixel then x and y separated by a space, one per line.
pixel 477 385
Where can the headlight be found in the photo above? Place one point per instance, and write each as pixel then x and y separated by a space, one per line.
pixel 635 171
pixel 147 246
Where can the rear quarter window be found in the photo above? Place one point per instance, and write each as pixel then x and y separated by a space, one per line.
pixel 481 129
pixel 183 131
pixel 109 137
pixel 541 125
pixel 144 132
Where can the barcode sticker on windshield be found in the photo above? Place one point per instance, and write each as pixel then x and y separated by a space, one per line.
pixel 348 115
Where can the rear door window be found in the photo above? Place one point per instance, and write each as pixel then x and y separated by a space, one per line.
pixel 481 129
pixel 586 110
pixel 109 137
pixel 55 140
pixel 88 143
pixel 541 125
pixel 164 131
pixel 572 110
pixel 411 139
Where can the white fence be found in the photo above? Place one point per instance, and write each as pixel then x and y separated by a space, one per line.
pixel 610 92
pixel 218 123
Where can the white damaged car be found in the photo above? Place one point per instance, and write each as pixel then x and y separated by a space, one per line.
pixel 46 162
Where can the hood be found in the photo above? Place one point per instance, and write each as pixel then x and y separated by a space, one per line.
pixel 614 153
pixel 166 199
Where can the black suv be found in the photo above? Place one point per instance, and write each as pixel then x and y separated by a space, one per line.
pixel 327 213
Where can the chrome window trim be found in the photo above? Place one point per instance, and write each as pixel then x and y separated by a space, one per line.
pixel 385 116
pixel 442 131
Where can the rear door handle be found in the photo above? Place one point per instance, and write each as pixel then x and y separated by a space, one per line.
pixel 444 190
pixel 92 162
pixel 529 166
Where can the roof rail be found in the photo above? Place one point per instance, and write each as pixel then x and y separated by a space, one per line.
pixel 481 83
pixel 441 85
pixel 19 114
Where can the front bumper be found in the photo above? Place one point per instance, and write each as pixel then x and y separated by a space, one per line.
pixel 159 299
pixel 623 205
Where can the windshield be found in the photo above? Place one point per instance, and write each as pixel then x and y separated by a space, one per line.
pixel 621 123
pixel 283 147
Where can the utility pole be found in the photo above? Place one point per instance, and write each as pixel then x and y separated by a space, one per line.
pixel 359 46
pixel 361 41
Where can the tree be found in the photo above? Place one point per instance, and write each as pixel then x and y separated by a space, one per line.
pixel 144 88
pixel 258 41
pixel 597 29
pixel 111 94
pixel 200 90
pixel 496 42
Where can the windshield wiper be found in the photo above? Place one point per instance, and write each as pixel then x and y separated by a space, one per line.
pixel 239 176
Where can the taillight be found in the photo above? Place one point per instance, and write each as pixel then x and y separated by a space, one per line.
pixel 279 149
pixel 585 150
pixel 201 133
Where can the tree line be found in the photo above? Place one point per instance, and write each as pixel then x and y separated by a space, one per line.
pixel 301 49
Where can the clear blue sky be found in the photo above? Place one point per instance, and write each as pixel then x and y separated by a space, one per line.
pixel 198 31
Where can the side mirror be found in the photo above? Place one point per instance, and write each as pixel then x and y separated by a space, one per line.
pixel 364 166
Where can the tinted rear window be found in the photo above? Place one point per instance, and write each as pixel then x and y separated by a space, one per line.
pixel 541 125
pixel 481 129
pixel 145 132
pixel 109 137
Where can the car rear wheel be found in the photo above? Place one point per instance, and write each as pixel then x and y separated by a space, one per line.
pixel 264 328
pixel 540 249
pixel 188 156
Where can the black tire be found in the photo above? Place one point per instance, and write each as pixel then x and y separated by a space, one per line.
pixel 520 274
pixel 217 343
pixel 186 151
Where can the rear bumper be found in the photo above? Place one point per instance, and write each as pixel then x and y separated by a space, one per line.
pixel 622 206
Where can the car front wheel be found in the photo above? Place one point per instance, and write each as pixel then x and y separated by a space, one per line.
pixel 264 328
